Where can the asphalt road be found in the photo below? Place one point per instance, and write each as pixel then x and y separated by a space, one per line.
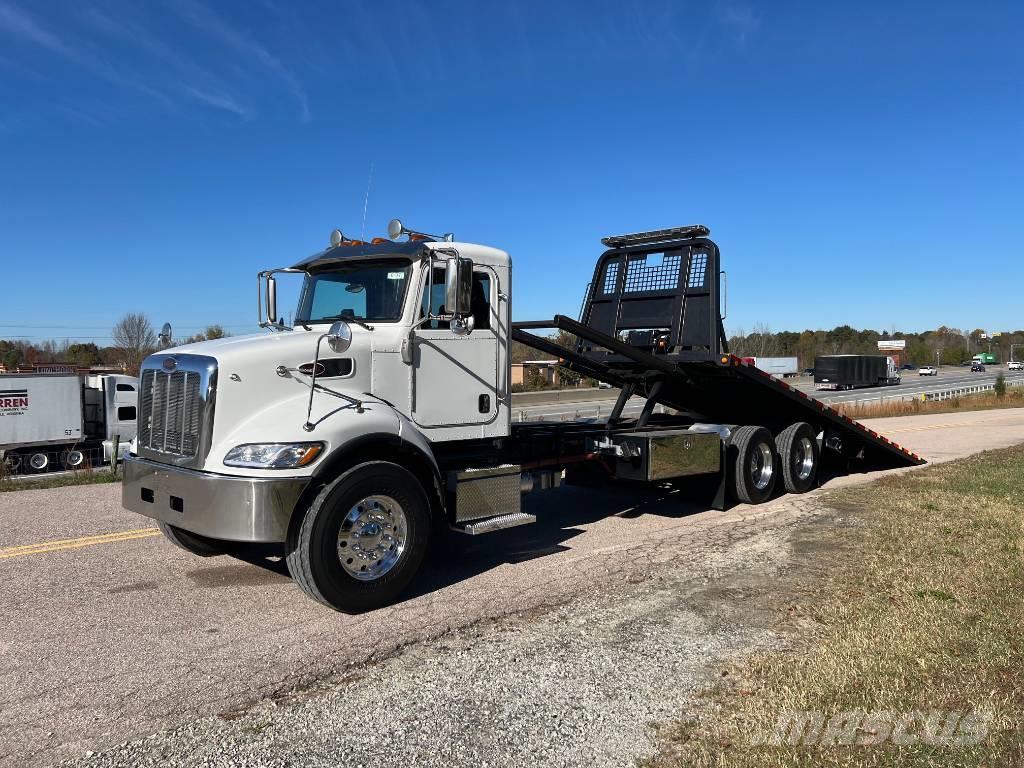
pixel 110 633
pixel 914 384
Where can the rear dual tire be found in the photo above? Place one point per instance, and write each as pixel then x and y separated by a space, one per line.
pixel 752 464
pixel 758 462
pixel 797 449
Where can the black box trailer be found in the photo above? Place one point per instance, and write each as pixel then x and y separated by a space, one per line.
pixel 851 371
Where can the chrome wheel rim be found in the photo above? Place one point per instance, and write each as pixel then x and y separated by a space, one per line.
pixel 74 458
pixel 372 537
pixel 803 458
pixel 38 461
pixel 762 466
pixel 12 462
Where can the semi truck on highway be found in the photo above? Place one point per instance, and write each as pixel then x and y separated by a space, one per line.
pixel 985 358
pixel 776 366
pixel 64 421
pixel 852 371
pixel 382 416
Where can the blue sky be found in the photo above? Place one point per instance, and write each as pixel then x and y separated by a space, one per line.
pixel 857 163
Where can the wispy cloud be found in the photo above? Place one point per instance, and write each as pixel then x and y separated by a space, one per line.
pixel 20 24
pixel 740 19
pixel 198 83
pixel 208 21
pixel 146 59
pixel 219 101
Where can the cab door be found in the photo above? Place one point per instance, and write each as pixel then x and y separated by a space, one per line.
pixel 456 378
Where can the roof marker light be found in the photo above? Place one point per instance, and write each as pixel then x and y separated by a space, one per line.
pixel 656 235
pixel 337 238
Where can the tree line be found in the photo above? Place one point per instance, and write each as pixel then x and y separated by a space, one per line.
pixel 133 339
pixel 948 346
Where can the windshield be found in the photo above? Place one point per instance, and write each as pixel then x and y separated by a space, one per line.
pixel 363 290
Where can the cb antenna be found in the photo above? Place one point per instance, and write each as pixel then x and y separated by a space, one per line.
pixel 366 202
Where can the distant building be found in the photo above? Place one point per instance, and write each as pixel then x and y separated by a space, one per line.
pixel 547 370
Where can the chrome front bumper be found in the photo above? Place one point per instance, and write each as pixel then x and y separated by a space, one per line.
pixel 218 506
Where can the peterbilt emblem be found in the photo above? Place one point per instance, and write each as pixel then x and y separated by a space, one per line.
pixel 169 364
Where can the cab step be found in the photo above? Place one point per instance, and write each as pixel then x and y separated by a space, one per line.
pixel 499 523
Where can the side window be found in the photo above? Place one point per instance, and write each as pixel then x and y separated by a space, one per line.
pixel 480 301
pixel 125 388
pixel 434 301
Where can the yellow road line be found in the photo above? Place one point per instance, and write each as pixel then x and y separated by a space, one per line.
pixel 941 426
pixel 83 541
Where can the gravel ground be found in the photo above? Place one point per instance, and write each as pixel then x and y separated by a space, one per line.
pixel 580 685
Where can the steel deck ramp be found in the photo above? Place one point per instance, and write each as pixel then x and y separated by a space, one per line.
pixel 652 325
pixel 723 391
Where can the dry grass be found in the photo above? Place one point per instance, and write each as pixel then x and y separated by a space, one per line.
pixel 921 610
pixel 79 477
pixel 983 401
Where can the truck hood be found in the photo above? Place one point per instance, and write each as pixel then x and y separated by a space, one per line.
pixel 258 383
pixel 262 345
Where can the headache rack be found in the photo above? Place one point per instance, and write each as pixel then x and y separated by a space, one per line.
pixel 651 325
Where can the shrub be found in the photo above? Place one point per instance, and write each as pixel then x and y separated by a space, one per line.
pixel 1000 386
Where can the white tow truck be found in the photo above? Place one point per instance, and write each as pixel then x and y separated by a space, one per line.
pixel 382 416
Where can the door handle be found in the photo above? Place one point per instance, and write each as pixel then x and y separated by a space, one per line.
pixel 407 351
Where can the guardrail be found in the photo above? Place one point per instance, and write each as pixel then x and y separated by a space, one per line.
pixel 941 394
pixel 949 394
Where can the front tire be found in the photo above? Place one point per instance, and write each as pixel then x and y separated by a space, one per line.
pixel 753 464
pixel 363 538
pixel 201 546
pixel 12 462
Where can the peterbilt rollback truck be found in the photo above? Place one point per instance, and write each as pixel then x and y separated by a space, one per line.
pixel 382 415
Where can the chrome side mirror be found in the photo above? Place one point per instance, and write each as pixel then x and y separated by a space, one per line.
pixel 271 300
pixel 458 294
pixel 463 326
pixel 339 337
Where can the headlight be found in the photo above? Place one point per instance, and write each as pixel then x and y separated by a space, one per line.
pixel 273 455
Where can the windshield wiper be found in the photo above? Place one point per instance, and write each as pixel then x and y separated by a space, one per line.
pixel 349 319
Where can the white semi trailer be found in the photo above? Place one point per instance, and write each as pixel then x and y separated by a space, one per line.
pixel 64 421
pixel 383 415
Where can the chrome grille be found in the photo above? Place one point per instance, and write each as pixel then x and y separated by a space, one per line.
pixel 175 408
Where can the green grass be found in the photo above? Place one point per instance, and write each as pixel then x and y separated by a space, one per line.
pixel 921 607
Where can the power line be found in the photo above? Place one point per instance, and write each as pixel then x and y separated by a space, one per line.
pixel 104 327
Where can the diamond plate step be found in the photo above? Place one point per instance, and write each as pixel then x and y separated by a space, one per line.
pixel 499 523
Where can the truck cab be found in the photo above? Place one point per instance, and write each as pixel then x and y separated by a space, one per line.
pixel 397 349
